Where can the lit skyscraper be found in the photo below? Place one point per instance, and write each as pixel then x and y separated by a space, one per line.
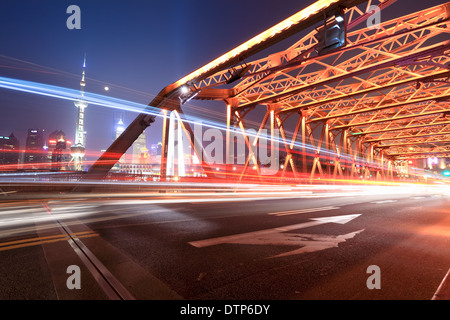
pixel 138 146
pixel 9 152
pixel 35 156
pixel 57 151
pixel 119 127
pixel 78 151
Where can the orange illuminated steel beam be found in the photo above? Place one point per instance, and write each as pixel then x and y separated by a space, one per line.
pixel 392 126
pixel 417 143
pixel 349 94
pixel 409 136
pixel 430 147
pixel 437 49
pixel 288 27
pixel 395 40
pixel 436 151
pixel 411 108
pixel 399 35
pixel 430 109
pixel 434 141
pixel 280 63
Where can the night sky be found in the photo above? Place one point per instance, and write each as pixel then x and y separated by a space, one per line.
pixel 135 47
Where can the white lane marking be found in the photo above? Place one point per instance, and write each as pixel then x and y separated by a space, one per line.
pixel 383 201
pixel 248 235
pixel 417 198
pixel 299 211
pixel 40 226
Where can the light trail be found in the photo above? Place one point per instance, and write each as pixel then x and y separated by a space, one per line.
pixel 17 217
pixel 208 189
pixel 74 95
pixel 126 105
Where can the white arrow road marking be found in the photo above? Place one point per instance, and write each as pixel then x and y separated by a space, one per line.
pixel 276 236
pixel 285 213
pixel 307 242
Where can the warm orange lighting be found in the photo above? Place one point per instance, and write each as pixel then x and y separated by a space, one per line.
pixel 262 37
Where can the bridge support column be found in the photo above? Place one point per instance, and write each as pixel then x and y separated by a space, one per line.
pixel 230 167
pixel 338 172
pixel 288 148
pixel 304 151
pixel 251 156
pixel 165 144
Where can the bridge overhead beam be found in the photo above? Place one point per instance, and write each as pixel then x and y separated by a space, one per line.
pixel 418 136
pixel 286 28
pixel 393 126
pixel 405 114
pixel 392 41
pixel 423 154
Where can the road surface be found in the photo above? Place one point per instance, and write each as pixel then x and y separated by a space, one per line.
pixel 340 243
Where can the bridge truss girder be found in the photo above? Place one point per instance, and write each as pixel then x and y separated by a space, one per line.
pixel 382 83
pixel 356 95
pixel 394 77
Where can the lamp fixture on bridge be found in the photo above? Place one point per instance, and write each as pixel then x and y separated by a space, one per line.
pixel 184 89
pixel 332 34
pixel 339 18
pixel 187 93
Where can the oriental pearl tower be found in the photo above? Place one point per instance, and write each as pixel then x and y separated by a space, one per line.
pixel 78 150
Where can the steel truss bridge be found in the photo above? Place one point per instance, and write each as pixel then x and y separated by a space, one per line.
pixel 365 107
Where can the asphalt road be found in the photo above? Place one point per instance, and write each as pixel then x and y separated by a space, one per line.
pixel 265 245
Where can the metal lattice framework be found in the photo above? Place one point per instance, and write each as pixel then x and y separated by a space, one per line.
pixel 384 92
pixel 381 98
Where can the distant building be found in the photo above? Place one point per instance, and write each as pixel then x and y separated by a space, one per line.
pixel 119 128
pixel 144 156
pixel 153 150
pixel 9 152
pixel 138 146
pixel 35 153
pixel 156 149
pixel 58 150
pixel 139 163
pixel 136 169
pixel 155 157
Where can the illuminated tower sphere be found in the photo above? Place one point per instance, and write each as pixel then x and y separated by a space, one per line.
pixel 78 151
